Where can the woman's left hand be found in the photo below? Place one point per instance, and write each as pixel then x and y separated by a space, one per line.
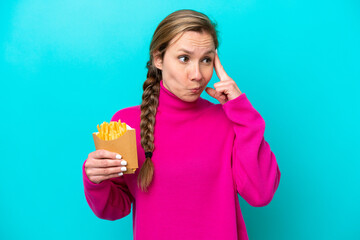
pixel 226 89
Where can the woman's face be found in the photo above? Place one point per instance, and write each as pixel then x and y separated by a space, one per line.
pixel 187 64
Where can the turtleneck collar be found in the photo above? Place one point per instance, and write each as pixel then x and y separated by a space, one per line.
pixel 169 101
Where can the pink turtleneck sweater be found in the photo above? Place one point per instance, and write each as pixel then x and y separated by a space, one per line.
pixel 205 154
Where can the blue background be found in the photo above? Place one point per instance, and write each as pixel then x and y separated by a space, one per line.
pixel 67 66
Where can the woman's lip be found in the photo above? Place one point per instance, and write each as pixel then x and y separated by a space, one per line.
pixel 195 89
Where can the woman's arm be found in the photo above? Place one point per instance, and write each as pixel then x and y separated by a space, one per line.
pixel 111 198
pixel 255 170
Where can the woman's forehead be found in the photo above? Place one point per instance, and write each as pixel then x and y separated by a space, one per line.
pixel 191 41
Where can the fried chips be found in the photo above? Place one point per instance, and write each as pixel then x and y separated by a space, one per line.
pixel 111 131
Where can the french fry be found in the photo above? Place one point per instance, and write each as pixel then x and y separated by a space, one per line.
pixel 111 131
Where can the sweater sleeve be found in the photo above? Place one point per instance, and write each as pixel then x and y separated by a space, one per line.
pixel 109 199
pixel 254 166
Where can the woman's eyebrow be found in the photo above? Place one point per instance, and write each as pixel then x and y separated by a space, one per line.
pixel 190 52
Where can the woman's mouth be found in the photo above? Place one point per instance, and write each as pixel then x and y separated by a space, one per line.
pixel 195 90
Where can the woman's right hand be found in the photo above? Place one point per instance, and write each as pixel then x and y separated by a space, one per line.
pixel 102 164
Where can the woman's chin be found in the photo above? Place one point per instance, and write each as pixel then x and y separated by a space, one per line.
pixel 191 98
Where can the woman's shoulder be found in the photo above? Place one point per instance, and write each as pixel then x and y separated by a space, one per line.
pixel 213 117
pixel 129 115
pixel 211 107
pixel 213 111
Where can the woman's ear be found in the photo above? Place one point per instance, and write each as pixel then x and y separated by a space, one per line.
pixel 157 60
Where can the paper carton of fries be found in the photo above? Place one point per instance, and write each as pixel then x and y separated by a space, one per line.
pixel 120 138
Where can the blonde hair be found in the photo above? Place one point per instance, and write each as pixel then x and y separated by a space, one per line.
pixel 177 22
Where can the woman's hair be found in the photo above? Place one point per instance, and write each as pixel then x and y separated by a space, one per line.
pixel 177 22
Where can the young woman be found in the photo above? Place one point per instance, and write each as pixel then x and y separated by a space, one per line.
pixel 194 156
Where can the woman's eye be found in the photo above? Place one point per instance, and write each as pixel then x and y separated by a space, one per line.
pixel 183 57
pixel 186 58
pixel 208 60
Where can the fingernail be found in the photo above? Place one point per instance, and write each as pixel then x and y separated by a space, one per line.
pixel 123 162
pixel 120 173
pixel 216 51
pixel 118 156
pixel 123 168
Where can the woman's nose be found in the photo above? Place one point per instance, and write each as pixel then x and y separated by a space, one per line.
pixel 195 72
